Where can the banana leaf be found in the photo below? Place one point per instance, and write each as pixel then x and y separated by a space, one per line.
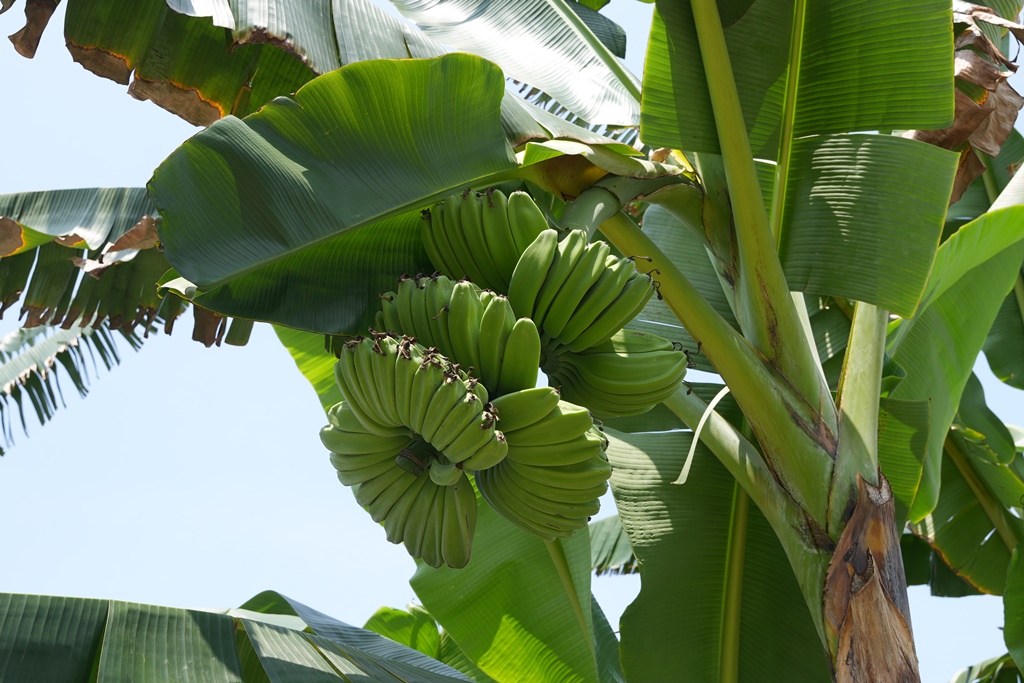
pixel 610 552
pixel 77 639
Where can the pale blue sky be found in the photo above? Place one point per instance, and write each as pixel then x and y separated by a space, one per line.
pixel 194 477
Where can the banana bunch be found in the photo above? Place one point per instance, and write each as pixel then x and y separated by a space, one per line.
pixel 627 375
pixel 480 236
pixel 578 294
pixel 435 521
pixel 465 323
pixel 555 472
pixel 410 424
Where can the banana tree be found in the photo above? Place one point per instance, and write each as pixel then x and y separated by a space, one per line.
pixel 811 267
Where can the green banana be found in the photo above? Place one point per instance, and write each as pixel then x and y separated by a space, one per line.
pixel 440 234
pixel 406 301
pixel 450 394
pixel 591 472
pixel 384 376
pixel 430 375
pixel 631 301
pixel 394 523
pixel 489 482
pixel 464 313
pixel 351 389
pixel 472 439
pixel 531 271
pixel 438 293
pixel 521 408
pixel 434 250
pixel 521 360
pixel 525 220
pixel 357 443
pixel 388 318
pixel 473 230
pixel 408 357
pixel 382 505
pixel 570 249
pixel 555 506
pixel 565 422
pixel 352 470
pixel 432 552
pixel 457 239
pixel 488 455
pixel 368 491
pixel 567 519
pixel 459 524
pixel 365 359
pixel 500 243
pixel 580 449
pixel 461 416
pixel 599 297
pixel 631 341
pixel 571 496
pixel 414 534
pixel 495 326
pixel 584 275
pixel 443 471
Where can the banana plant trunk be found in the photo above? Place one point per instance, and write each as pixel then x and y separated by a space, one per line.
pixel 867 612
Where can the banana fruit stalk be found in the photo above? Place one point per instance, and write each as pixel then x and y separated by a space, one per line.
pixel 481 236
pixel 409 426
pixel 473 326
pixel 555 472
pixel 627 375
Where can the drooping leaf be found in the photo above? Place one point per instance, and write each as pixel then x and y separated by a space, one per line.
pixel 979 431
pixel 903 432
pixel 49 638
pixel 1000 669
pixel 610 552
pixel 413 628
pixel 482 606
pixel 695 543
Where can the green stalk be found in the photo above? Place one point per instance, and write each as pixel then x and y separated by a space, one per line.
pixel 557 553
pixel 729 635
pixel 797 440
pixel 860 387
pixel 764 307
pixel 607 58
pixel 743 461
pixel 993 510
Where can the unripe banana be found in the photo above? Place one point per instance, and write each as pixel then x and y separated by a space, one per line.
pixel 464 313
pixel 600 295
pixel 570 496
pixel 631 301
pixel 521 360
pixel 488 455
pixel 500 242
pixel 458 419
pixel 368 491
pixel 432 551
pixel 495 326
pixel 570 249
pixel 382 505
pixel 415 531
pixel 580 449
pixel 438 294
pixel 584 275
pixel 450 394
pixel 383 366
pixel 350 385
pixel 354 443
pixel 473 229
pixel 457 239
pixel 565 422
pixel 459 523
pixel 472 439
pixel 530 272
pixel 388 318
pixel 525 218
pixel 584 474
pixel 434 250
pixel 394 523
pixel 519 409
pixel 356 469
pixel 430 375
pixel 440 234
pixel 443 471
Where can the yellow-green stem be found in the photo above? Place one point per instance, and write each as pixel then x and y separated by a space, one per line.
pixel 763 305
pixel 732 604
pixel 557 553
pixel 791 430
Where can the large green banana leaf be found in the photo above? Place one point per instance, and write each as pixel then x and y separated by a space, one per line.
pixel 718 600
pixel 610 551
pixel 76 639
pixel 974 270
